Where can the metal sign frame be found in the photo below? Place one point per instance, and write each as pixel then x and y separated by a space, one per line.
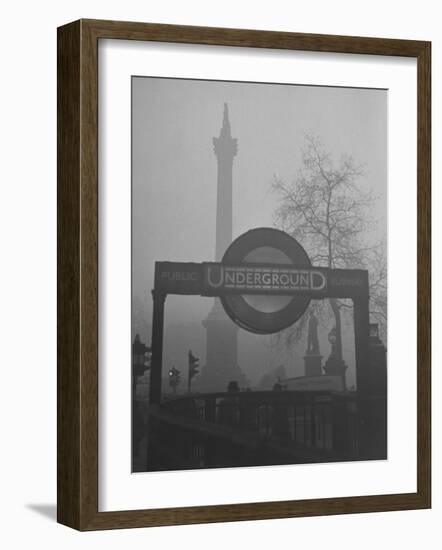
pixel 191 279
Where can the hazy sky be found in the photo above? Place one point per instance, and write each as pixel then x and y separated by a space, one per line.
pixel 174 166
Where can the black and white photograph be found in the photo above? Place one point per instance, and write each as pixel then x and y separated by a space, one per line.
pixel 219 252
pixel 259 274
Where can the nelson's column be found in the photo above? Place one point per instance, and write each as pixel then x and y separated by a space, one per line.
pixel 221 333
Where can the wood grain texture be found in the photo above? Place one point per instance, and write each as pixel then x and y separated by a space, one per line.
pixel 68 275
pixel 424 274
pixel 77 223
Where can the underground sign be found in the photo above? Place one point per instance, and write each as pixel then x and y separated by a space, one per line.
pixel 256 271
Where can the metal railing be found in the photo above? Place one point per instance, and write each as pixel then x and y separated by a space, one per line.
pixel 257 428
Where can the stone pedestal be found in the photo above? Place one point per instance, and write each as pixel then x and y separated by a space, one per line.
pixel 312 365
pixel 222 353
pixel 336 367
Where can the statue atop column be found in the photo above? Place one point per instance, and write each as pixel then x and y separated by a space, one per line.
pixel 312 338
pixel 313 358
pixel 334 365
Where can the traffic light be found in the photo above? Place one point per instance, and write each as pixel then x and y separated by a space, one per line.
pixel 174 378
pixel 193 367
pixel 141 355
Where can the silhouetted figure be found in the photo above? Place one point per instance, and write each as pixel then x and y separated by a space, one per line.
pixel 278 385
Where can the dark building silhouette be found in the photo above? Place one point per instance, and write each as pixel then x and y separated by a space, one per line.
pixel 221 333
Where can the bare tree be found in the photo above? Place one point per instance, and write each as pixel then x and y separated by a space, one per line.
pixel 326 210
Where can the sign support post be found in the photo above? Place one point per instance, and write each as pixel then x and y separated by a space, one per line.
pixel 367 432
pixel 157 346
pixel 362 349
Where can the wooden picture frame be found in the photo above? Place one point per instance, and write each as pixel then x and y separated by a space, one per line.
pixel 77 223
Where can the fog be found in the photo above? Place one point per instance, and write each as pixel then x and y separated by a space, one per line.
pixel 174 186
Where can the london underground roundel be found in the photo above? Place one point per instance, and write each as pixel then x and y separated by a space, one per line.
pixel 275 311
